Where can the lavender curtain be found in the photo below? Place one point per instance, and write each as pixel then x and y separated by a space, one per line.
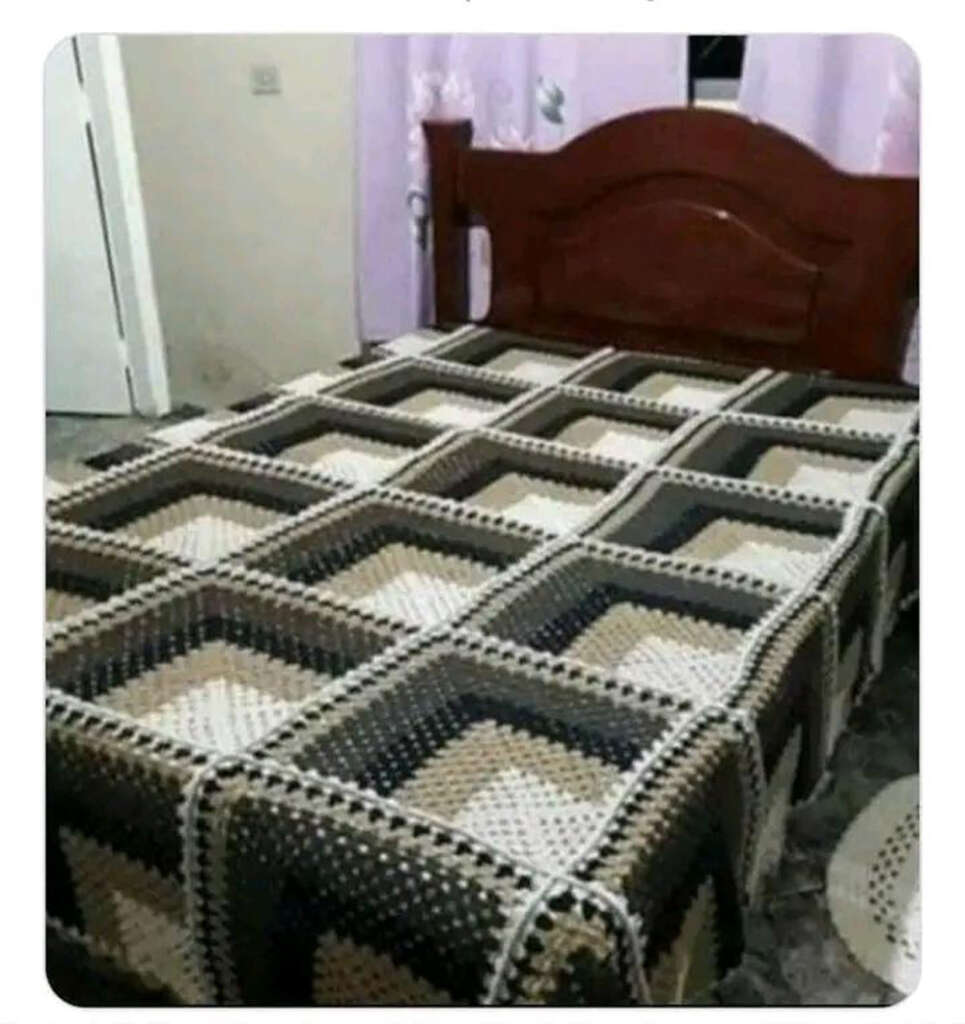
pixel 854 98
pixel 521 92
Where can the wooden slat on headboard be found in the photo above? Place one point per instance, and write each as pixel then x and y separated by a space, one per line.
pixel 688 231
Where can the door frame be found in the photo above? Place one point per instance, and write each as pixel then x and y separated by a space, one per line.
pixel 110 115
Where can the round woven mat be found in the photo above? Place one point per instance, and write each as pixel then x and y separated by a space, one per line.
pixel 873 892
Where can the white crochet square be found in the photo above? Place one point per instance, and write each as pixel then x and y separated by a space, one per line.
pixel 411 344
pixel 410 583
pixel 538 502
pixel 837 476
pixel 450 408
pixel 208 715
pixel 531 364
pixel 189 431
pixel 682 389
pixel 216 696
pixel 358 459
pixel 877 415
pixel 788 557
pixel 205 537
pixel 310 383
pixel 617 439
pixel 525 793
pixel 685 656
pixel 53 488
pixel 202 526
pixel 532 818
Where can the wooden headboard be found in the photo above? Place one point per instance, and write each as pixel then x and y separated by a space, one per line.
pixel 688 231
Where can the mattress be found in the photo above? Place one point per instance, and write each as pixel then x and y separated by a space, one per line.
pixel 481 676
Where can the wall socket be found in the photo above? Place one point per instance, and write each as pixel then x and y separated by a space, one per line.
pixel 265 80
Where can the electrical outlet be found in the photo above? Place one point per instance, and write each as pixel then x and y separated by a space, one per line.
pixel 264 79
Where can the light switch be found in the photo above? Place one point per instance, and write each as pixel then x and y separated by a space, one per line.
pixel 265 79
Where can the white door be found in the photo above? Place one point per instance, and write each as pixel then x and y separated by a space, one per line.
pixel 85 355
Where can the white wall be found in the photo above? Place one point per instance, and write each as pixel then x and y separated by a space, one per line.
pixel 249 202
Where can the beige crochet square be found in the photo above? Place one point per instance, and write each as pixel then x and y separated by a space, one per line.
pixel 134 911
pixel 60 604
pixel 347 973
pixel 688 969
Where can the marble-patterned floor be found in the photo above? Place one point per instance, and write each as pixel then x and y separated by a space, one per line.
pixel 793 955
pixel 74 438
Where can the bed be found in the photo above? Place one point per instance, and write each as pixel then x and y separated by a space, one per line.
pixel 487 675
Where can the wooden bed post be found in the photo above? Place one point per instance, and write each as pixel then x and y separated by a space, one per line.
pixel 447 140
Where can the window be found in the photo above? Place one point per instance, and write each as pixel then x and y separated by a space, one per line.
pixel 714 70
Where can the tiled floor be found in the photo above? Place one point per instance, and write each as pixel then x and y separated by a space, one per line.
pixel 793 954
pixel 74 438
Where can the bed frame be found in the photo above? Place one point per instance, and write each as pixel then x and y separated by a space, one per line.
pixel 687 231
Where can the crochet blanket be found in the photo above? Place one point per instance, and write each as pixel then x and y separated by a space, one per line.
pixel 484 675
